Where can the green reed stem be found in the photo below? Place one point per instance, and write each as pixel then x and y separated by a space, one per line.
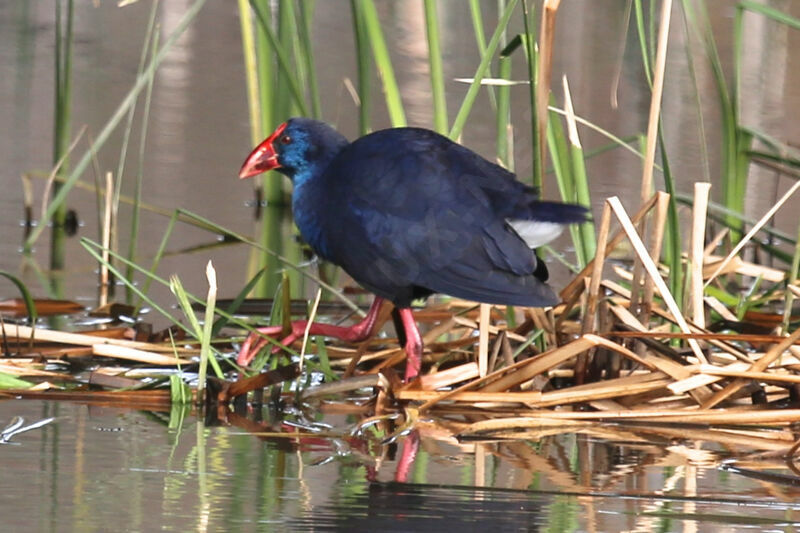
pixel 364 67
pixel 380 52
pixel 472 93
pixel 435 65
pixel 121 111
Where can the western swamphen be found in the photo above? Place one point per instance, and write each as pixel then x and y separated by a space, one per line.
pixel 407 213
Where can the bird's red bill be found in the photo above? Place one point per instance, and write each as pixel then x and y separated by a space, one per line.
pixel 263 158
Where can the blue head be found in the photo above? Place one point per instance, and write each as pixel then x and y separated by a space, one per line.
pixel 299 148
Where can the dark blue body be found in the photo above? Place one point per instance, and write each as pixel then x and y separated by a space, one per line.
pixel 407 212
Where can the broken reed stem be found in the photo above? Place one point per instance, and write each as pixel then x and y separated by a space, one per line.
pixel 652 270
pixel 759 366
pixel 307 331
pixel 483 339
pixel 106 238
pixel 575 287
pixel 699 211
pixel 755 229
pixel 547 38
pixel 589 316
pixel 657 239
pixel 655 100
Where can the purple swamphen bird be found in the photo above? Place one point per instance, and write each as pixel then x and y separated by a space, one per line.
pixel 407 213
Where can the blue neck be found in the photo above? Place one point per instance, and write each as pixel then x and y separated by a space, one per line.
pixel 308 200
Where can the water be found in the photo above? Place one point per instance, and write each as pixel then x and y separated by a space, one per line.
pixel 98 467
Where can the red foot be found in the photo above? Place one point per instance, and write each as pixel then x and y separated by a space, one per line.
pixel 355 333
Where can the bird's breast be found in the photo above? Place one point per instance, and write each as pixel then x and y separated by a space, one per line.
pixel 310 215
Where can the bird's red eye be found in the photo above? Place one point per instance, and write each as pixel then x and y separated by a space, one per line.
pixel 286 139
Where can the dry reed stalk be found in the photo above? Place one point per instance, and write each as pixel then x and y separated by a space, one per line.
pixel 668 366
pixel 698 334
pixel 498 343
pixel 545 67
pixel 655 100
pixel 81 339
pixel 445 378
pixel 589 318
pixel 547 360
pixel 755 229
pixel 307 329
pixel 346 385
pixel 106 238
pixel 28 370
pixel 678 416
pixel 716 265
pixel 133 354
pixel 731 371
pixel 589 321
pixel 720 308
pixel 656 241
pixel 575 287
pixel 759 366
pixel 704 336
pixel 696 257
pixel 483 339
pixel 652 270
pixel 493 330
pixel 579 394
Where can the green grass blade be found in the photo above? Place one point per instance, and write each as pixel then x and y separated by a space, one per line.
pixel 30 306
pixel 137 194
pixel 643 46
pixel 156 260
pixel 198 331
pixel 469 99
pixel 149 44
pixel 8 381
pixel 92 248
pixel 770 12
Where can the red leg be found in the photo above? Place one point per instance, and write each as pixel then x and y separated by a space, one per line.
pixel 355 333
pixel 413 344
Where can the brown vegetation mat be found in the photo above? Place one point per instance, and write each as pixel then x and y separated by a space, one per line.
pixel 618 349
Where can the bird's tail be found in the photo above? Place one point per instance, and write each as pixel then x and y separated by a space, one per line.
pixel 559 213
